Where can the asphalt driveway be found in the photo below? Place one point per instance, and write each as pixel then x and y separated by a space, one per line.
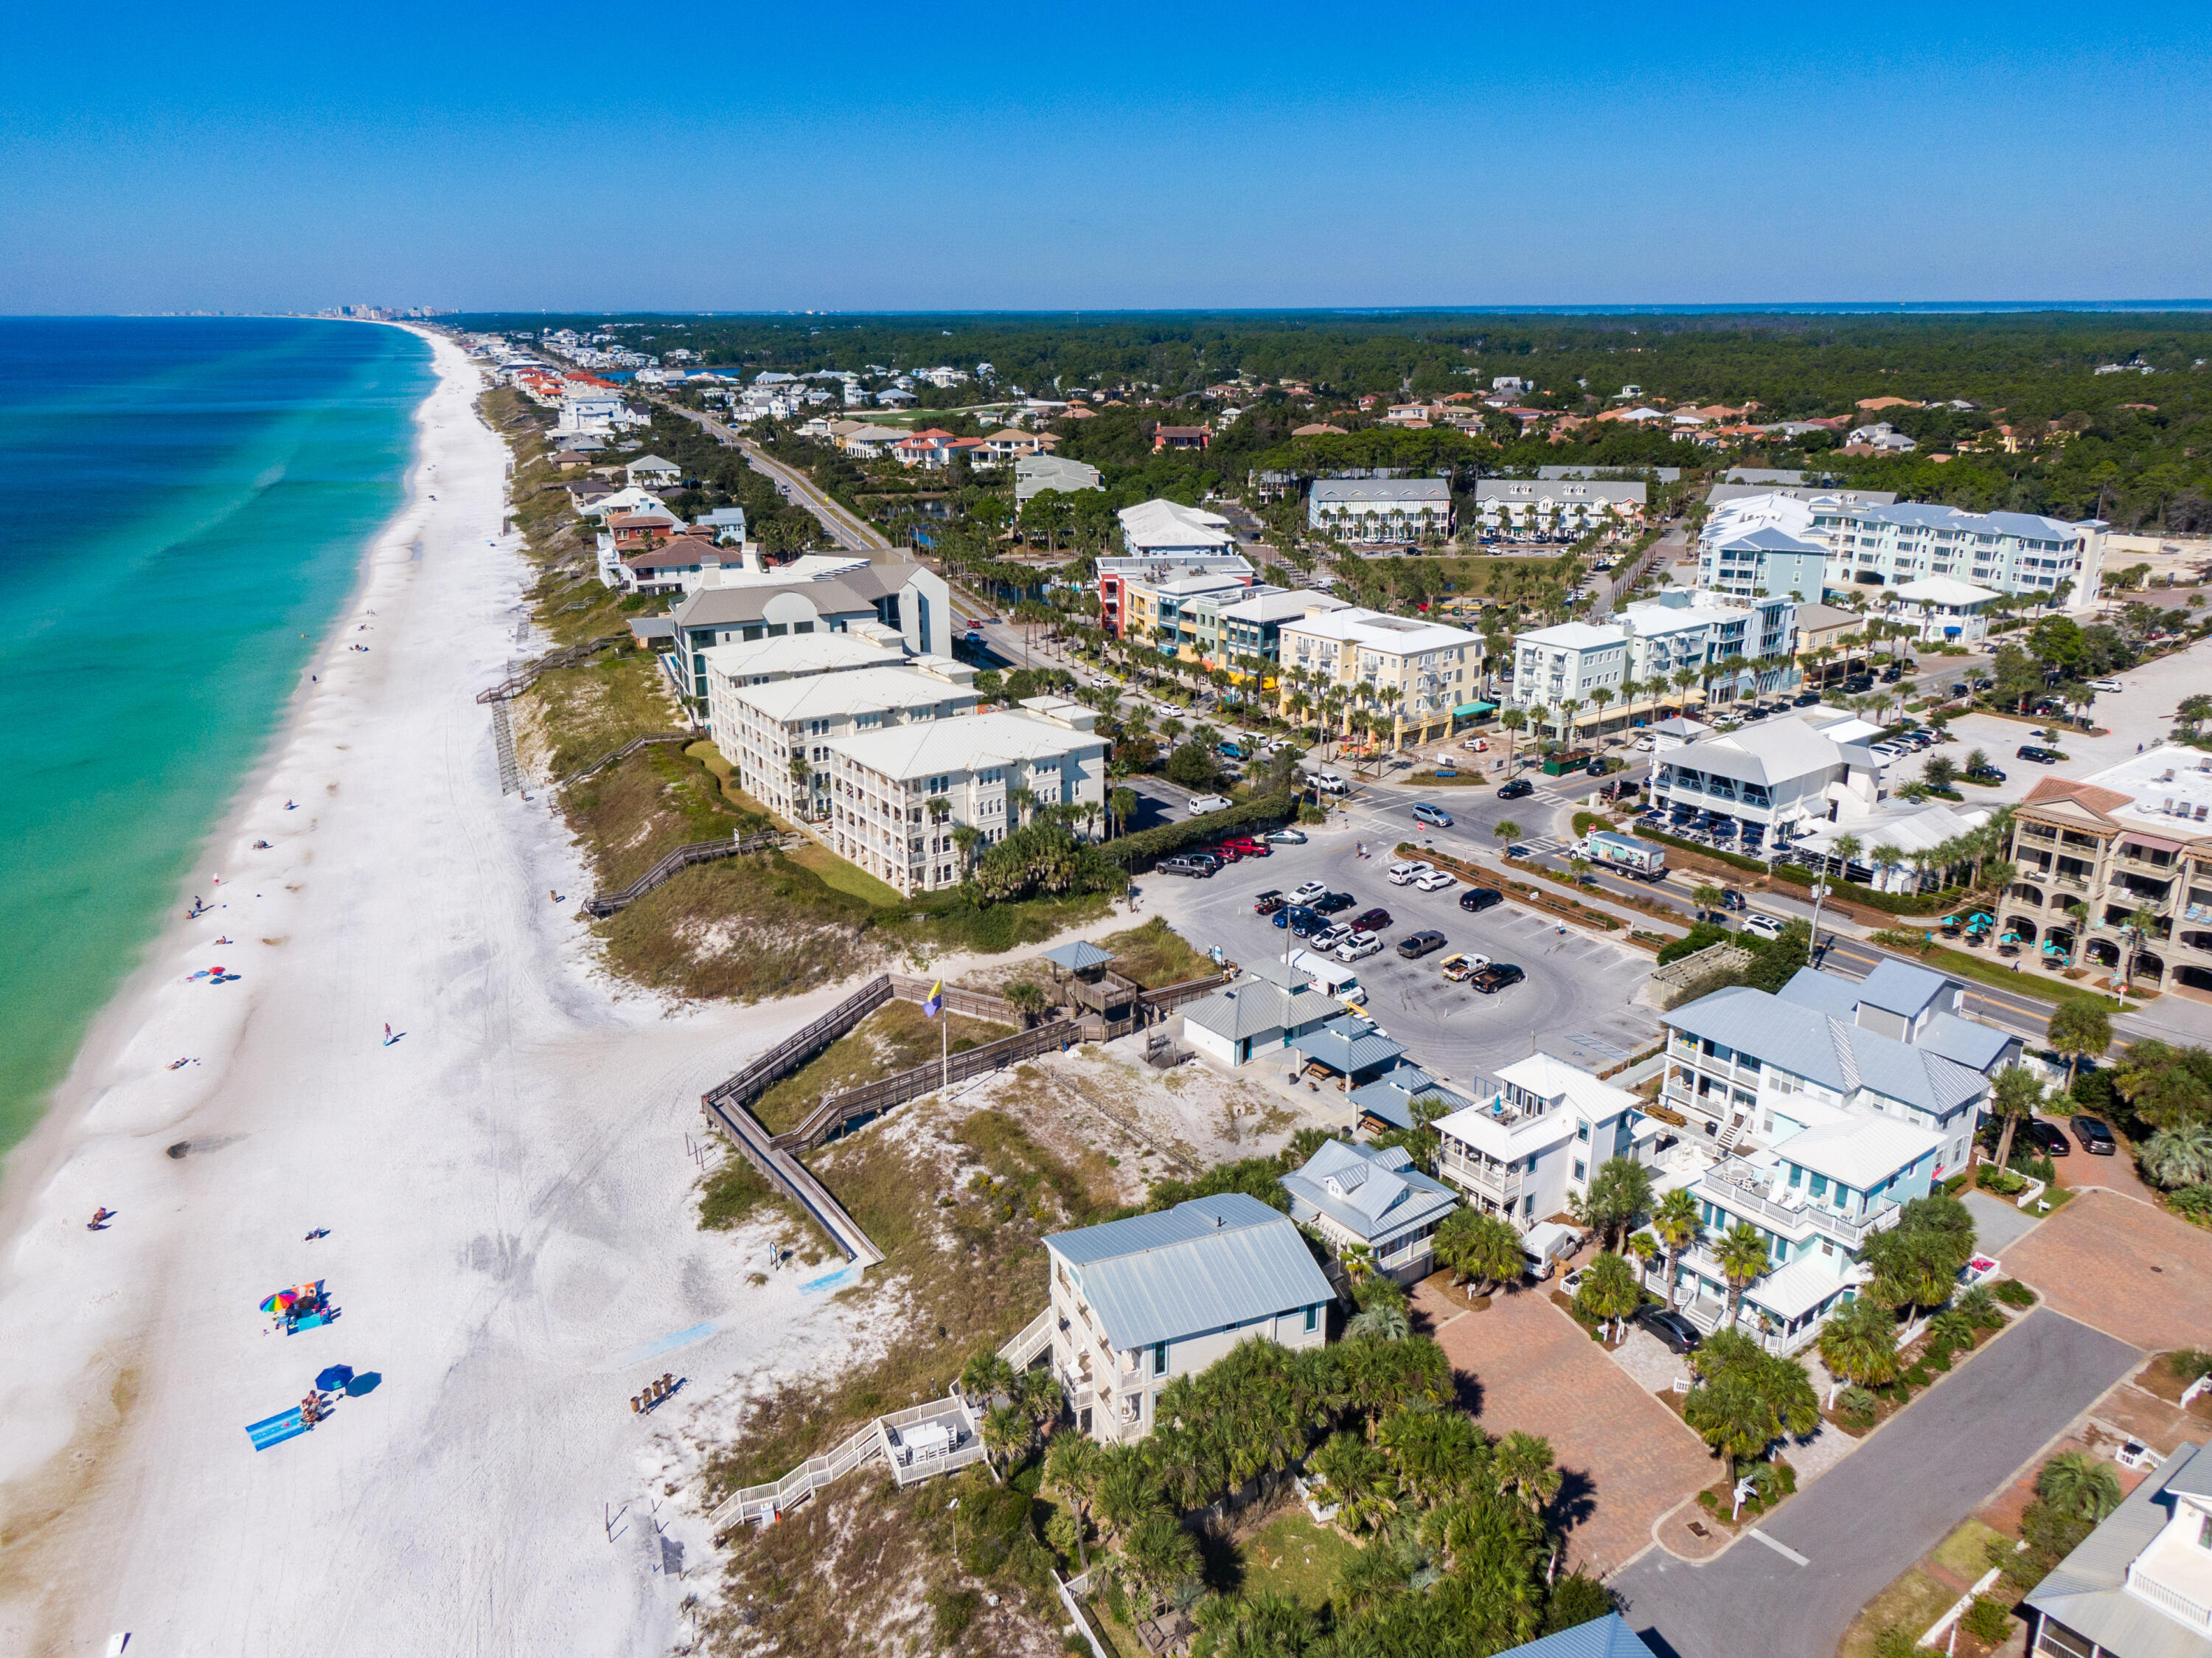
pixel 1577 1001
pixel 1882 1506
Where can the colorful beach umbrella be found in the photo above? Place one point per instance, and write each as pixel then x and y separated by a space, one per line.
pixel 280 1302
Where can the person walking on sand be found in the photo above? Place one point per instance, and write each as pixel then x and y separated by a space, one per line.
pixel 387 1032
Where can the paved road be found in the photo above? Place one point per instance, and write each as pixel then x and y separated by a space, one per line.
pixel 851 533
pixel 1882 1506
pixel 1576 1002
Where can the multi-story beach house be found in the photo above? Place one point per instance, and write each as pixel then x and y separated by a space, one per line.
pixel 1137 1302
pixel 896 795
pixel 1555 508
pixel 2009 552
pixel 1832 1104
pixel 2140 1586
pixel 1128 588
pixel 1649 643
pixel 2115 870
pixel 1527 1148
pixel 1370 1204
pixel 1765 781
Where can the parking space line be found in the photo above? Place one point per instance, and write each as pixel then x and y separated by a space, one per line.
pixel 1782 1549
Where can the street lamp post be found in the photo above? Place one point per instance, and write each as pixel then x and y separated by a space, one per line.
pixel 1819 892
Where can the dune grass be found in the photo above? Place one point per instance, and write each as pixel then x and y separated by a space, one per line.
pixel 896 1037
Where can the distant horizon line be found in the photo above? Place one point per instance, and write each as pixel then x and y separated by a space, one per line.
pixel 1778 308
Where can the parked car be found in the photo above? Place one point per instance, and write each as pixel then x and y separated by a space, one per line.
pixel 1519 789
pixel 1329 904
pixel 1229 750
pixel 1220 852
pixel 1457 967
pixel 1764 926
pixel 2104 684
pixel 2047 1137
pixel 1414 946
pixel 2028 751
pixel 2095 1137
pixel 1307 892
pixel 1359 947
pixel 1436 880
pixel 1986 774
pixel 1405 875
pixel 1435 816
pixel 1680 1335
pixel 1303 922
pixel 1809 699
pixel 1732 898
pixel 1268 902
pixel 1495 977
pixel 1333 935
pixel 1287 836
pixel 1476 899
pixel 1245 847
pixel 1187 866
pixel 1372 921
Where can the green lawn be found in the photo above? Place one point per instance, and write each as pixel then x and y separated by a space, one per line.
pixel 1293 1556
pixel 2030 980
pixel 846 877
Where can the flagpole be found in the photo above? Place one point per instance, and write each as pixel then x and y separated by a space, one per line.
pixel 945 1049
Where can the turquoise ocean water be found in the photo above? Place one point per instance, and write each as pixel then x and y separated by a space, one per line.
pixel 192 498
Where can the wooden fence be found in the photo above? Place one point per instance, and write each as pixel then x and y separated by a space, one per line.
pixel 515 684
pixel 628 748
pixel 847 1108
pixel 703 851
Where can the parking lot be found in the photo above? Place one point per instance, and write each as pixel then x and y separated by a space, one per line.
pixel 1576 1002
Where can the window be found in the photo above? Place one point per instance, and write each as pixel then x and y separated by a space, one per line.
pixel 1819 1185
pixel 1160 1359
pixel 1313 1319
pixel 2204 1532
pixel 1581 1132
pixel 1579 1166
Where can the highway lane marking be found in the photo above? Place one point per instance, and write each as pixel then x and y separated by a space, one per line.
pixel 1782 1549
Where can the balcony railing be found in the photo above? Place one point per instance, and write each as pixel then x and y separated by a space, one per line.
pixel 1499 1179
pixel 2169 1601
pixel 1743 1196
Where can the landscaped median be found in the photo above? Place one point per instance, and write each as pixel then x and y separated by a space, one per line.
pixel 1988 971
pixel 1536 897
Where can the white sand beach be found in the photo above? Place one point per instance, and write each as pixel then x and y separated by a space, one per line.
pixel 506 1187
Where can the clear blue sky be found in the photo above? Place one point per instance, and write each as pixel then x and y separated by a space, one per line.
pixel 863 157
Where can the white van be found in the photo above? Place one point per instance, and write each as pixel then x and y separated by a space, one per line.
pixel 1331 978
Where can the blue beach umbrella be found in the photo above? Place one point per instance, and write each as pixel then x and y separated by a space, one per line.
pixel 335 1377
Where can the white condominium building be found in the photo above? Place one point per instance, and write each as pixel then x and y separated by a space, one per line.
pixel 761 726
pixel 881 784
pixel 1652 642
pixel 2009 552
pixel 1370 511
pixel 1554 509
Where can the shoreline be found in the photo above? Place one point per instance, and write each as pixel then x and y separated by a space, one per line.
pixel 500 1201
pixel 26 1165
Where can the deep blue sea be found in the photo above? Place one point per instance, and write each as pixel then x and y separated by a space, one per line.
pixel 192 496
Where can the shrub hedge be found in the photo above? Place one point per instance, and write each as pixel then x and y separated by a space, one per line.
pixel 1142 848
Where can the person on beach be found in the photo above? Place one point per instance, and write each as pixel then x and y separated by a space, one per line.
pixel 99 1218
pixel 387 1032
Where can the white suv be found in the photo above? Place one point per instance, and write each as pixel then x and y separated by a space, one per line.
pixel 1435 880
pixel 1307 893
pixel 1405 875
pixel 1357 945
pixel 1764 926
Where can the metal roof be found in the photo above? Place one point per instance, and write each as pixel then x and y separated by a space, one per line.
pixel 2089 1590
pixel 1372 1192
pixel 1382 491
pixel 1608 1637
pixel 1077 956
pixel 1339 1051
pixel 1208 1265
pixel 1809 1043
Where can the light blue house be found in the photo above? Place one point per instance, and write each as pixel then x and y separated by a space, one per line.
pixel 1372 1198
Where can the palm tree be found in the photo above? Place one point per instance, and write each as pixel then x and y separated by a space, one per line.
pixel 2180 1156
pixel 1600 696
pixel 1886 860
pixel 1609 1291
pixel 1074 1465
pixel 1844 849
pixel 1484 1248
pixel 2014 1096
pixel 1515 721
pixel 1618 1196
pixel 1743 1258
pixel 2142 921
pixel 967 838
pixel 1708 898
pixel 1007 1433
pixel 2077 1487
pixel 1523 1468
pixel 1684 679
pixel 1569 707
pixel 1385 1320
pixel 1678 1223
pixel 1123 802
pixel 1506 830
pixel 1859 1343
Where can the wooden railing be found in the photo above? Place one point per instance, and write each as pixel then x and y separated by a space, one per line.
pixel 786 1056
pixel 762 1503
pixel 628 748
pixel 839 1112
pixel 704 852
pixel 515 684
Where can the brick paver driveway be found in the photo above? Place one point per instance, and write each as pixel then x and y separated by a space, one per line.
pixel 1626 1457
pixel 2124 1268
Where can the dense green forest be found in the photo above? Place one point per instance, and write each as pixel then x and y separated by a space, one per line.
pixel 2133 448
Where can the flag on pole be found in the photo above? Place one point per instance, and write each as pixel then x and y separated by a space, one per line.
pixel 935 1005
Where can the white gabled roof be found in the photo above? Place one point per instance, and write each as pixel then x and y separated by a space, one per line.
pixel 1862 1153
pixel 1171 524
pixel 1376 629
pixel 965 745
pixel 1944 590
pixel 857 691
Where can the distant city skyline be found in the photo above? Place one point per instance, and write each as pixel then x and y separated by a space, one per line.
pixel 1433 157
